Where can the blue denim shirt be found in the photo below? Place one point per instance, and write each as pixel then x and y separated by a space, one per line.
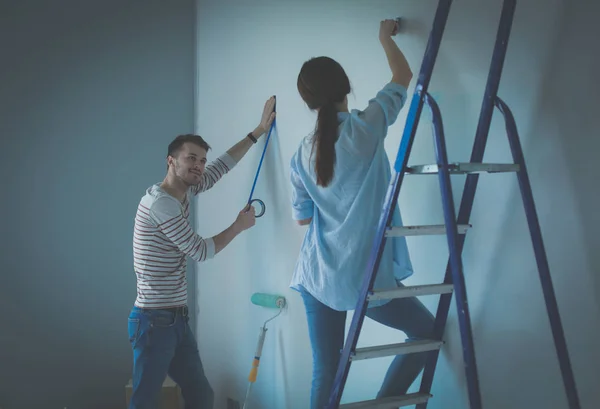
pixel 335 251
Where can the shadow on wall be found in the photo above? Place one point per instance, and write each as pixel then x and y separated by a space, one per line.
pixel 274 178
pixel 284 370
pixel 264 265
pixel 517 351
pixel 574 95
pixel 274 186
pixel 510 352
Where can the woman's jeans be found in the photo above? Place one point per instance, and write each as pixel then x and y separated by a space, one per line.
pixel 326 328
pixel 163 344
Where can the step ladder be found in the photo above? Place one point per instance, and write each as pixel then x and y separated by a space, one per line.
pixel 454 228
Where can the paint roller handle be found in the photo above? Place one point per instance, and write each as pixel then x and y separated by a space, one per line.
pixel 256 361
pixel 254 371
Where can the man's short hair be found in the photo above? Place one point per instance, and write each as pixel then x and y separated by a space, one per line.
pixel 178 142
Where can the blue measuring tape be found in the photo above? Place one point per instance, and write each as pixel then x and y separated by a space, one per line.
pixel 250 199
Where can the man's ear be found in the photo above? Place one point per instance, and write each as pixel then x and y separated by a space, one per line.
pixel 170 161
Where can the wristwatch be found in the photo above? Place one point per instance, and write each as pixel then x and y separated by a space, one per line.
pixel 252 138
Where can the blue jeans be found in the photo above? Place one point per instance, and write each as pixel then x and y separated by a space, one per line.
pixel 326 328
pixel 163 344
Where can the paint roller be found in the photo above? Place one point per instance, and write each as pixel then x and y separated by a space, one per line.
pixel 267 301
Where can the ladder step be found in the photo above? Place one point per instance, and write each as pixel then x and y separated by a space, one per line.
pixel 459 168
pixel 409 347
pixel 395 231
pixel 389 403
pixel 409 291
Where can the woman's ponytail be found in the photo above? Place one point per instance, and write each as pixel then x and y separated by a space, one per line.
pixel 325 138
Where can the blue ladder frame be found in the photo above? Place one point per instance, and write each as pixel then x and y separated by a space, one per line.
pixel 454 270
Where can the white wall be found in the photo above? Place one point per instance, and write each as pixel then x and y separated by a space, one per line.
pixel 248 52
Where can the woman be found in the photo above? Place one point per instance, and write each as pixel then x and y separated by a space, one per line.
pixel 339 179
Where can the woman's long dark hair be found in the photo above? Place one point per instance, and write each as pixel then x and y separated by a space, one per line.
pixel 323 83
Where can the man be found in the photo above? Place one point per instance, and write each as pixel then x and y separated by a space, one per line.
pixel 160 335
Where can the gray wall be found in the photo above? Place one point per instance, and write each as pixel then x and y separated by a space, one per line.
pixel 92 92
pixel 572 100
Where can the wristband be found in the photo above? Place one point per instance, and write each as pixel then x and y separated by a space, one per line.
pixel 251 137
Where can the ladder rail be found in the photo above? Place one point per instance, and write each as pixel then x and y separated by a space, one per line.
pixel 540 256
pixel 458 279
pixel 416 106
pixel 493 84
pixel 391 199
pixel 470 186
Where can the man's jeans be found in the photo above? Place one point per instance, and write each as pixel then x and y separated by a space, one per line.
pixel 163 343
pixel 326 328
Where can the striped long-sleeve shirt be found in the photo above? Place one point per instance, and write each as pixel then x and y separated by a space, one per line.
pixel 163 237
